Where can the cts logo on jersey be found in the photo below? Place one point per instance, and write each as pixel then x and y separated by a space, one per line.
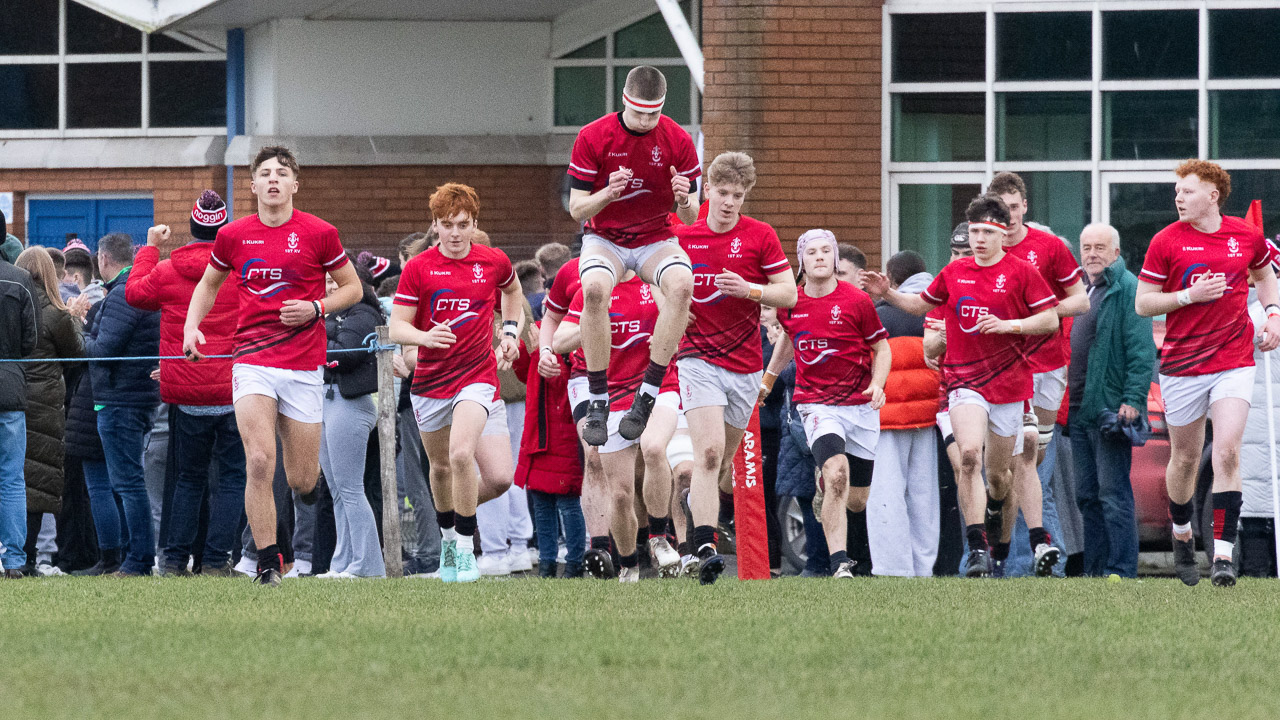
pixel 806 345
pixel 619 327
pixel 1194 273
pixel 1000 281
pixel 477 272
pixel 705 279
pixel 968 309
pixel 1032 257
pixel 657 154
pixel 252 275
pixel 292 242
pixel 442 303
pixel 835 313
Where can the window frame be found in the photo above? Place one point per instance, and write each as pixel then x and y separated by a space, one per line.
pixel 609 62
pixel 1102 172
pixel 63 58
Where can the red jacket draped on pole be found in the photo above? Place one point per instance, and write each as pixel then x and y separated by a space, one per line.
pixel 550 460
pixel 167 286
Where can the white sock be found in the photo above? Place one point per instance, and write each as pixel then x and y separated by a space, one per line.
pixel 1181 529
pixel 449 534
pixel 1222 548
pixel 466 543
pixel 648 389
pixel 598 397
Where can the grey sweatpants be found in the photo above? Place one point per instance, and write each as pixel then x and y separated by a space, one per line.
pixel 343 444
pixel 412 484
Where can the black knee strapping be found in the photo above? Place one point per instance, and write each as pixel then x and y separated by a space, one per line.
pixel 667 265
pixel 827 447
pixel 860 471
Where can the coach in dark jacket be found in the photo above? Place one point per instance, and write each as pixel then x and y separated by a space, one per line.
pixel 125 396
pixel 19 331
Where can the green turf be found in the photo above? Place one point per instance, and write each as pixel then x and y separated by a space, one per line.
pixel 875 648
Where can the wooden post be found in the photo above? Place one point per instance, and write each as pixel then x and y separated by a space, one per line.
pixel 387 454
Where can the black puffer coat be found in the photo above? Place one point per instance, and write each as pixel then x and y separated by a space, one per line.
pixel 82 440
pixel 46 394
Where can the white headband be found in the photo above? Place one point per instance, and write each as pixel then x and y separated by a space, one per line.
pixel 643 106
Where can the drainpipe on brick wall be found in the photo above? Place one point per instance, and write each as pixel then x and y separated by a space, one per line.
pixel 235 103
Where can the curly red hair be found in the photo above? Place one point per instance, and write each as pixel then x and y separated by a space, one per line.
pixel 1209 172
pixel 452 198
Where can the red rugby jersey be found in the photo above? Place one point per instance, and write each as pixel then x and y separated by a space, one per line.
pixel 632 315
pixel 833 335
pixel 1055 263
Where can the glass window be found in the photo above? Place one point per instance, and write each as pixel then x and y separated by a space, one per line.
pixel 1043 46
pixel 1061 200
pixel 31 31
pixel 1250 185
pixel 926 215
pixel 678 80
pixel 1242 43
pixel 1149 124
pixel 1244 123
pixel 188 94
pixel 579 94
pixel 30 95
pixel 104 95
pixel 1150 44
pixel 89 31
pixel 939 48
pixel 648 38
pixel 1042 126
pixel 938 127
pixel 594 50
pixel 161 43
pixel 1138 212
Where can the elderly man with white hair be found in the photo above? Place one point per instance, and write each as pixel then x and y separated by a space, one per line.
pixel 1112 360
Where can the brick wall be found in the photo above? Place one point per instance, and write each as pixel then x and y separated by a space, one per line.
pixel 796 84
pixel 373 207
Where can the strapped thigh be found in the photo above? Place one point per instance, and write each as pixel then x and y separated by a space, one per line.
pixel 667 264
pixel 595 262
pixel 827 447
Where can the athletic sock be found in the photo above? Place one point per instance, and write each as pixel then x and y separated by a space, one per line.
pixel 858 542
pixel 658 526
pixel 977 537
pixel 466 526
pixel 1180 514
pixel 1038 536
pixel 629 561
pixel 600 542
pixel 838 557
pixel 704 539
pixel 269 558
pixel 652 379
pixel 598 385
pixel 445 519
pixel 726 508
pixel 1226 520
pixel 1000 551
pixel 994 505
pixel 684 548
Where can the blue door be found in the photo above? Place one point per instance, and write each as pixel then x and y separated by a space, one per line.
pixel 49 221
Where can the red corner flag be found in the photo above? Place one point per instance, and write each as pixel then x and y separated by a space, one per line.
pixel 748 505
pixel 1254 216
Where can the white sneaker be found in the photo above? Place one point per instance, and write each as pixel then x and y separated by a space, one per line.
pixel 334 575
pixel 492 564
pixel 629 575
pixel 519 559
pixel 665 557
pixel 302 567
pixel 246 566
pixel 47 570
pixel 690 565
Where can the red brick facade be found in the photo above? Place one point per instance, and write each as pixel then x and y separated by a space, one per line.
pixel 796 84
pixel 372 206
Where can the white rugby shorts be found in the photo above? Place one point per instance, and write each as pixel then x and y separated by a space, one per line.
pixel 705 385
pixel 435 413
pixel 1050 387
pixel 1004 419
pixel 859 425
pixel 1187 397
pixel 632 258
pixel 299 394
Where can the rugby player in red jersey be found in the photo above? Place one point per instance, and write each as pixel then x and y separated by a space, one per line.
pixel 280 257
pixel 991 300
pixel 1047 355
pixel 633 314
pixel 444 305
pixel 627 169
pixel 1197 273
pixel 842 361
pixel 738 264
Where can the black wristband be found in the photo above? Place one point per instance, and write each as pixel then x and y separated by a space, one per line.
pixel 509 327
pixel 315 305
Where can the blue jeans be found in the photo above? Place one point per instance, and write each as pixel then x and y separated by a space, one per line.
pixel 13 488
pixel 199 440
pixel 1105 496
pixel 546 507
pixel 107 510
pixel 817 558
pixel 123 431
pixel 1020 552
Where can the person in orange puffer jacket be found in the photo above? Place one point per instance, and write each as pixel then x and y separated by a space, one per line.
pixel 902 512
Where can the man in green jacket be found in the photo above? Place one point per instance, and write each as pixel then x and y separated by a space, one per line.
pixel 1112 361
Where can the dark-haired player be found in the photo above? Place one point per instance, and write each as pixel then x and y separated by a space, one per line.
pixel 627 169
pixel 1197 273
pixel 1047 355
pixel 842 361
pixel 279 256
pixel 445 304
pixel 989 300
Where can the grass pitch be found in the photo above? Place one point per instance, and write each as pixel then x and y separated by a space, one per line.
pixel 867 648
